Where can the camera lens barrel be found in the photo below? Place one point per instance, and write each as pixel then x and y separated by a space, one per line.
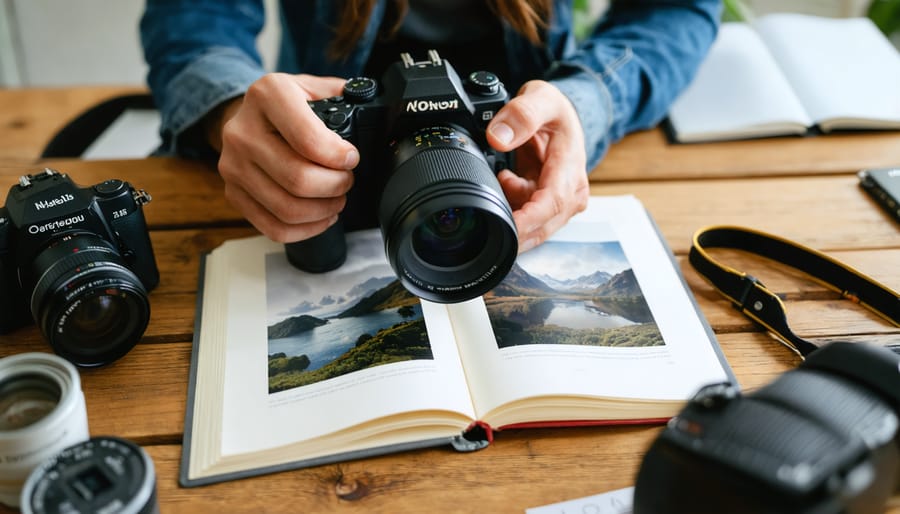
pixel 42 411
pixel 448 229
pixel 90 306
pixel 103 474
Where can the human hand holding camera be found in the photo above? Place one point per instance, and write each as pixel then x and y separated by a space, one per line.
pixel 550 184
pixel 284 170
pixel 287 172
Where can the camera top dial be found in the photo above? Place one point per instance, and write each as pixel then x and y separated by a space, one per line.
pixel 360 89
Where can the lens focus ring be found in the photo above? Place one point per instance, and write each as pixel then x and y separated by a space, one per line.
pixel 87 303
pixel 440 176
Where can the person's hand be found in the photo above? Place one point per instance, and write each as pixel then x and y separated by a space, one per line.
pixel 550 184
pixel 284 170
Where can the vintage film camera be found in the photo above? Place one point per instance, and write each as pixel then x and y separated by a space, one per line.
pixel 821 439
pixel 79 262
pixel 427 170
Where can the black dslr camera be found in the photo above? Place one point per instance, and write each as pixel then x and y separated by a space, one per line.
pixel 78 261
pixel 820 439
pixel 448 230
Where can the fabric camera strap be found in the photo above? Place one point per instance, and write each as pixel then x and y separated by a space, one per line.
pixel 752 298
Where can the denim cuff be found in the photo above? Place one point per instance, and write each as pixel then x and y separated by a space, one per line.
pixel 217 75
pixel 593 103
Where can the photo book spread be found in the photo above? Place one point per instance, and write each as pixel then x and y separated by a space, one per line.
pixel 291 369
pixel 790 74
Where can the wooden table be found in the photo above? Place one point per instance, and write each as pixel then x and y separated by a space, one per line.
pixel 801 188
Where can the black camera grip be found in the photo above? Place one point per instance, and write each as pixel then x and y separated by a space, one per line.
pixel 318 254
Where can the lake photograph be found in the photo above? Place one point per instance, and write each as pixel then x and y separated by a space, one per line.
pixel 574 293
pixel 326 325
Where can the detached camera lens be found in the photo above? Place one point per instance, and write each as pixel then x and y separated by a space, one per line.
pixel 42 411
pixel 103 474
pixel 448 229
pixel 87 303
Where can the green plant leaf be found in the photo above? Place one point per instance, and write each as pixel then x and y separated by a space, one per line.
pixel 736 10
pixel 886 15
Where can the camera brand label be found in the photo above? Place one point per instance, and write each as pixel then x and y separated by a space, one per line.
pixel 431 105
pixel 46 204
pixel 56 224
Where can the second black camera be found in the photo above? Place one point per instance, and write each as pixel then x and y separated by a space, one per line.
pixel 78 261
pixel 448 229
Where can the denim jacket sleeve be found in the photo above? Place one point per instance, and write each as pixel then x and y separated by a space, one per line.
pixel 638 58
pixel 200 53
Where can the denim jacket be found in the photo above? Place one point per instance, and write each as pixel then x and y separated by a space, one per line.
pixel 621 77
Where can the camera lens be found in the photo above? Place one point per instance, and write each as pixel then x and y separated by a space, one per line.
pixel 103 474
pixel 42 411
pixel 87 303
pixel 448 229
pixel 450 236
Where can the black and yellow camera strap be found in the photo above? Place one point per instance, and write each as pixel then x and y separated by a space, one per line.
pixel 752 298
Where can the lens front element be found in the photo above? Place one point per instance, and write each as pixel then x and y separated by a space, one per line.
pixel 450 237
pixel 25 400
pixel 88 304
pixel 448 229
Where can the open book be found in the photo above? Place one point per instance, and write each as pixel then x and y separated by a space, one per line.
pixel 790 74
pixel 291 369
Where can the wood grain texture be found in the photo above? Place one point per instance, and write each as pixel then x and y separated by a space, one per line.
pixel 800 188
pixel 647 156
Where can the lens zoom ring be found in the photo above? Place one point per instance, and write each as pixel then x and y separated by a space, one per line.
pixel 65 266
pixel 435 165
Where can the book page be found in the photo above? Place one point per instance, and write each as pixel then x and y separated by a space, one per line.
pixel 844 70
pixel 598 312
pixel 308 355
pixel 738 91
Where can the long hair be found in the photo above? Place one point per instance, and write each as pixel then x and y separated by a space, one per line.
pixel 527 17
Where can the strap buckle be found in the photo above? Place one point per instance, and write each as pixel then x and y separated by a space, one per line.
pixel 749 283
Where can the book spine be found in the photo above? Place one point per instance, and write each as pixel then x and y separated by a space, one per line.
pixel 477 436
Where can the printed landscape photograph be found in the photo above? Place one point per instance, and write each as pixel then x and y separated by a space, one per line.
pixel 322 326
pixel 572 293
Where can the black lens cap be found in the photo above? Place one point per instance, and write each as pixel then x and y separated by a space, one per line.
pixel 102 474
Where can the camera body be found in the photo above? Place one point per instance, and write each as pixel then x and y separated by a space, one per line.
pixel 421 138
pixel 823 438
pixel 65 249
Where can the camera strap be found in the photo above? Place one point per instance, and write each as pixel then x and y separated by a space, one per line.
pixel 752 298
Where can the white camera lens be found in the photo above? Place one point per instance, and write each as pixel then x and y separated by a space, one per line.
pixel 42 411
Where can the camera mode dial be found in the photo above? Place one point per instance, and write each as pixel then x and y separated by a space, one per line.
pixel 483 83
pixel 109 188
pixel 360 89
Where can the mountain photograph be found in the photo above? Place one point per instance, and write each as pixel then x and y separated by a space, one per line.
pixel 572 293
pixel 323 326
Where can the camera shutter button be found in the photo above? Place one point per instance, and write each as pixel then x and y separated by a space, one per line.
pixel 336 120
pixel 109 188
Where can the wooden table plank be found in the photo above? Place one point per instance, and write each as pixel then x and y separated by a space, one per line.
pixel 647 156
pixel 824 212
pixel 188 193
